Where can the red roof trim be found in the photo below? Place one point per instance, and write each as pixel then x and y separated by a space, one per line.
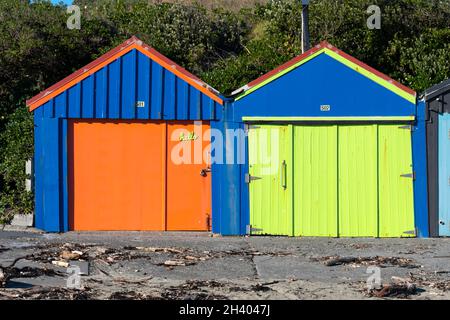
pixel 322 45
pixel 284 66
pixel 132 42
pixel 370 69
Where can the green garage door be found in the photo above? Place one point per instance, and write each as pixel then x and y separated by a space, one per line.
pixel 270 153
pixel 331 180
pixel 396 213
pixel 315 181
pixel 358 187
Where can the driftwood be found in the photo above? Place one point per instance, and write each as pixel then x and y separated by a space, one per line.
pixel 70 255
pixel 377 260
pixel 58 263
pixel 340 260
pixel 394 290
pixel 158 249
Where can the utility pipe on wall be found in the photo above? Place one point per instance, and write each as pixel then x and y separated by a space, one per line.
pixel 305 28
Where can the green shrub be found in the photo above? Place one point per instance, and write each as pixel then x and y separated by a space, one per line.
pixel 16 143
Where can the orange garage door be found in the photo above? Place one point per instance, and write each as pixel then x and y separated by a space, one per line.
pixel 188 179
pixel 122 177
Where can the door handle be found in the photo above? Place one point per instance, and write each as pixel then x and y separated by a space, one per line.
pixel 284 175
pixel 204 171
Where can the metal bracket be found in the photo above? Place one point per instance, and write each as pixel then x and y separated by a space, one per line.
pixel 249 178
pixel 247 127
pixel 408 127
pixel 249 229
pixel 413 232
pixel 409 175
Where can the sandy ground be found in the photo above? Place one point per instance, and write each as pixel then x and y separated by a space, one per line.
pixel 151 265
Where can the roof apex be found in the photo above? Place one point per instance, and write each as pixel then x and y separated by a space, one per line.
pixel 126 46
pixel 323 45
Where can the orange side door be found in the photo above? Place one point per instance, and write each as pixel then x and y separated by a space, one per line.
pixel 188 176
pixel 117 175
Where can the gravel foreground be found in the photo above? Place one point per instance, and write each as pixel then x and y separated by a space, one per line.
pixel 198 266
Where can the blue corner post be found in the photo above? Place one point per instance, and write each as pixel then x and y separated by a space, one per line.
pixel 49 191
pixel 420 169
pixel 229 193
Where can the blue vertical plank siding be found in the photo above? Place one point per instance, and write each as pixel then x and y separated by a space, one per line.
pixel 129 85
pixel 74 100
pixel 101 93
pixel 61 105
pixel 49 110
pixel 114 87
pixel 245 196
pixel 112 92
pixel 195 105
pixel 182 100
pixel 88 97
pixel 230 195
pixel 157 91
pixel 232 205
pixel 38 168
pixel 444 174
pixel 207 110
pixel 51 182
pixel 170 97
pixel 217 193
pixel 420 169
pixel 64 177
pixel 143 86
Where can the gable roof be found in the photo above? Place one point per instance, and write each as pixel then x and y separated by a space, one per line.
pixel 110 56
pixel 325 48
pixel 437 89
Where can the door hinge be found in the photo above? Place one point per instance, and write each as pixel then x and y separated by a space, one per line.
pixel 247 127
pixel 249 229
pixel 208 222
pixel 413 232
pixel 409 175
pixel 408 127
pixel 249 178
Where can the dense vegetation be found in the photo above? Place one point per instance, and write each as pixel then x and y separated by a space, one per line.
pixel 227 45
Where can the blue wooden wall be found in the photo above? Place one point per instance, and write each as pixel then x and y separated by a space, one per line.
pixel 113 91
pixel 419 150
pixel 322 81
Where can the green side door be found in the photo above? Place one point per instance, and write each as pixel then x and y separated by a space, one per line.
pixel 331 180
pixel 358 186
pixel 396 202
pixel 315 181
pixel 270 169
